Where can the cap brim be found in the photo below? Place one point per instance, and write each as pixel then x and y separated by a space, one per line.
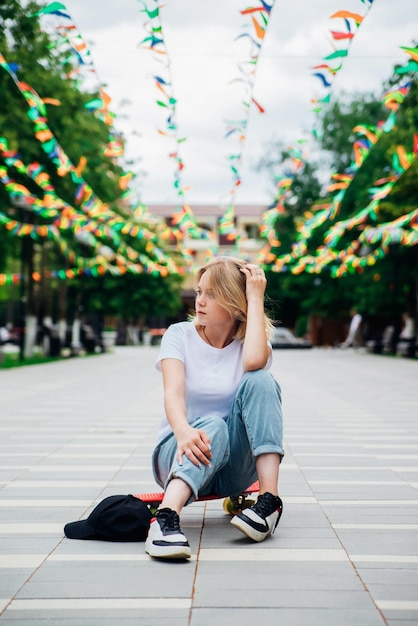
pixel 79 530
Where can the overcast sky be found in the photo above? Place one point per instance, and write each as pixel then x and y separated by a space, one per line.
pixel 200 36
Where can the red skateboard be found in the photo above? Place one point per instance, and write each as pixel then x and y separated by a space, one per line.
pixel 231 504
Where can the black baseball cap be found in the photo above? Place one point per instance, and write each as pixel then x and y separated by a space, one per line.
pixel 116 518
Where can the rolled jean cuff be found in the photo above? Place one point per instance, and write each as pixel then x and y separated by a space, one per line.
pixel 177 473
pixel 268 449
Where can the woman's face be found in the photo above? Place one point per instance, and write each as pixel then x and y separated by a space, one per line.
pixel 208 311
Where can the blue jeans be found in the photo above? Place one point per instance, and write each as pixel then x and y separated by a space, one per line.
pixel 254 426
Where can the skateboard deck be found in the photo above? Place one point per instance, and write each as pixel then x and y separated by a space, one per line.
pixel 231 504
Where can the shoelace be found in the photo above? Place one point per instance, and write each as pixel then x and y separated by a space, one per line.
pixel 264 505
pixel 170 519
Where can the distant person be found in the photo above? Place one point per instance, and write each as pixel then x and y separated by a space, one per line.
pixel 222 428
pixel 354 332
pixel 408 328
pixel 406 344
pixel 4 335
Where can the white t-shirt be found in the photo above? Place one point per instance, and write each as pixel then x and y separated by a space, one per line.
pixel 212 374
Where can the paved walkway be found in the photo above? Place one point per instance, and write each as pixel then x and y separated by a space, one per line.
pixel 344 554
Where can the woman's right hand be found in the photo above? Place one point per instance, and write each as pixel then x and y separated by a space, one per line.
pixel 195 444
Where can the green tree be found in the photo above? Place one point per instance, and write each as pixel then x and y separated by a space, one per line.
pixel 389 287
pixel 379 291
pixel 40 62
pixel 37 62
pixel 131 298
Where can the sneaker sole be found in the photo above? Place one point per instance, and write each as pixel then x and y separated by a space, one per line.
pixel 167 552
pixel 252 533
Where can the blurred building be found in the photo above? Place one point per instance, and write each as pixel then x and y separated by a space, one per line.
pixel 247 221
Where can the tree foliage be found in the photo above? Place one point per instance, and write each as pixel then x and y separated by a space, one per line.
pixel 385 289
pixel 39 62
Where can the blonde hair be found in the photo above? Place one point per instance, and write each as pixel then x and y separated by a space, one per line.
pixel 228 284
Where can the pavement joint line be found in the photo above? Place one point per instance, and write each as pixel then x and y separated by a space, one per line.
pixel 391 446
pixel 50 484
pixel 95 456
pixel 359 468
pixel 3 603
pixel 355 482
pixel 31 561
pixel 355 455
pixel 384 558
pixel 18 561
pixel 397 605
pixel 273 554
pixel 30 528
pixel 66 456
pixel 85 468
pixel 44 503
pixel 375 526
pixel 140 556
pixel 368 502
pixel 121 604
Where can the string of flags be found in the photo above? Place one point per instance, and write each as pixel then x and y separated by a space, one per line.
pixel 90 225
pixel 255 33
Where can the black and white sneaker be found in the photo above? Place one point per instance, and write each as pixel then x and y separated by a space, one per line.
pixel 165 538
pixel 260 520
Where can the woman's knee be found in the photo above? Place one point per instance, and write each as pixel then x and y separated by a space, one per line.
pixel 213 426
pixel 217 431
pixel 261 380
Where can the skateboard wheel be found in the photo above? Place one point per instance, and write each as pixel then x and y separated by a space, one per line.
pixel 235 504
pixel 229 507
